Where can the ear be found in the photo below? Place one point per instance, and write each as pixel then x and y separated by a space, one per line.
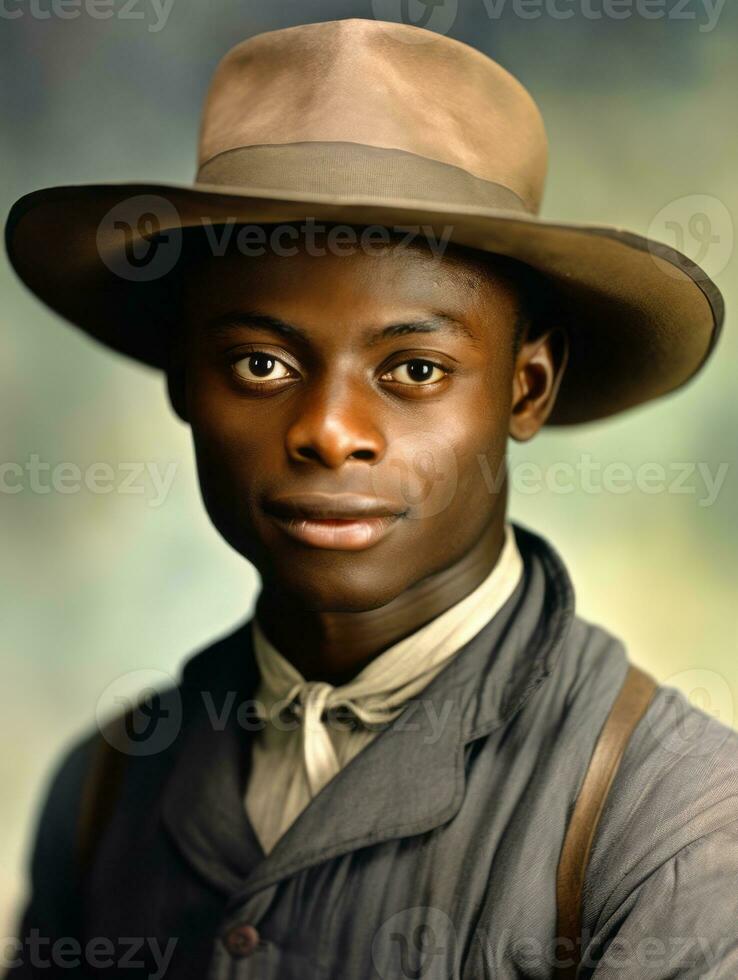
pixel 539 368
pixel 176 381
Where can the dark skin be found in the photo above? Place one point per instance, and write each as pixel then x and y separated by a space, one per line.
pixel 285 395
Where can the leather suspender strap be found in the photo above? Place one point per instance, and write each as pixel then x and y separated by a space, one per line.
pixel 628 709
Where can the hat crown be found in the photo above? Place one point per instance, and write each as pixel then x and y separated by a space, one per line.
pixel 382 85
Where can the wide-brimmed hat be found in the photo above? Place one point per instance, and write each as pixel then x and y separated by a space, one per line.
pixel 371 123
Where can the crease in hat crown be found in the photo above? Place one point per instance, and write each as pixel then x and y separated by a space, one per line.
pixel 360 82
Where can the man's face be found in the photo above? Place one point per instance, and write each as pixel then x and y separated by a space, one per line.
pixel 385 376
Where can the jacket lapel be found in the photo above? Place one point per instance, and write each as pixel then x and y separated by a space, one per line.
pixel 202 799
pixel 408 780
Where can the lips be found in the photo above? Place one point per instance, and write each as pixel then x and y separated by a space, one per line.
pixel 345 522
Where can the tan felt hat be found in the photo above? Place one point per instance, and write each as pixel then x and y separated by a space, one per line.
pixel 366 122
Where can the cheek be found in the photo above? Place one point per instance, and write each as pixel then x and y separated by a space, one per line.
pixel 482 458
pixel 481 477
pixel 228 433
pixel 232 447
pixel 449 476
pixel 224 454
pixel 481 488
pixel 482 437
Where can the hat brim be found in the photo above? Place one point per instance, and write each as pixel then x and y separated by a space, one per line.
pixel 642 317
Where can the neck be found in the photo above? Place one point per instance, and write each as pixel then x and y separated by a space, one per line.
pixel 335 646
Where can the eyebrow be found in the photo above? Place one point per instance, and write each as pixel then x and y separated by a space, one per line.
pixel 435 323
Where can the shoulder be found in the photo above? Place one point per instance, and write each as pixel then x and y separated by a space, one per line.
pixel 51 864
pixel 675 796
pixel 589 671
pixel 145 736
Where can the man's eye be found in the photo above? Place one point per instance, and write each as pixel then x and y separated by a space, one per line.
pixel 261 366
pixel 416 372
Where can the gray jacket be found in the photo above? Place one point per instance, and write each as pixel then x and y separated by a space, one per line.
pixel 433 854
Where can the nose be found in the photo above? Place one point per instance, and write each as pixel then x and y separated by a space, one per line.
pixel 334 426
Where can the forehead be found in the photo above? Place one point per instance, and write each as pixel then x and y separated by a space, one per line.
pixel 352 282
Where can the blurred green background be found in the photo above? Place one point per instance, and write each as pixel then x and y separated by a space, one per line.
pixel 641 119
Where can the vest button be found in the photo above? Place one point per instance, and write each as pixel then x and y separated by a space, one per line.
pixel 241 940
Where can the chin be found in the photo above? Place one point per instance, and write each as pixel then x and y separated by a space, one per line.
pixel 333 584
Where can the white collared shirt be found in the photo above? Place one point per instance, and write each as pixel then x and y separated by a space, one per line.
pixel 293 758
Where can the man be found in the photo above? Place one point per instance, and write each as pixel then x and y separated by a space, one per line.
pixel 376 775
